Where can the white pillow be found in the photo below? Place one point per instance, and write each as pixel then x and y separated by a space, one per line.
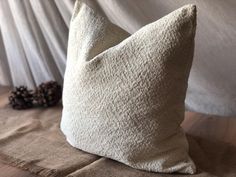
pixel 123 96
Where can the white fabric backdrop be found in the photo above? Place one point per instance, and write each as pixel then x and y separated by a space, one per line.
pixel 33 42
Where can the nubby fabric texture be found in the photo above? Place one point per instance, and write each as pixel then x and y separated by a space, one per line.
pixel 124 95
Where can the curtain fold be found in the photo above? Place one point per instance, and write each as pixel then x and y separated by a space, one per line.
pixel 33 44
pixel 5 76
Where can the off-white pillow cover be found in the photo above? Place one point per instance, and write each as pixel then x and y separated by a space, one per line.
pixel 123 95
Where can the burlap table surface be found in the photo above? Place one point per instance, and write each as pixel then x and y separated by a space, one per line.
pixel 32 140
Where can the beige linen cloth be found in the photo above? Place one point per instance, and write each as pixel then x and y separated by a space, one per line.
pixel 123 97
pixel 31 140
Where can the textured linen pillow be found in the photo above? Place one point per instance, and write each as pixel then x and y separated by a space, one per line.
pixel 124 95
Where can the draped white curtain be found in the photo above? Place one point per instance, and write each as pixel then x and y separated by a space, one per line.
pixel 33 42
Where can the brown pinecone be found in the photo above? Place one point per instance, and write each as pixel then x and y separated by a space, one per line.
pixel 47 94
pixel 21 98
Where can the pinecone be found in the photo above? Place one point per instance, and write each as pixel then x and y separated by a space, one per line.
pixel 21 98
pixel 47 94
